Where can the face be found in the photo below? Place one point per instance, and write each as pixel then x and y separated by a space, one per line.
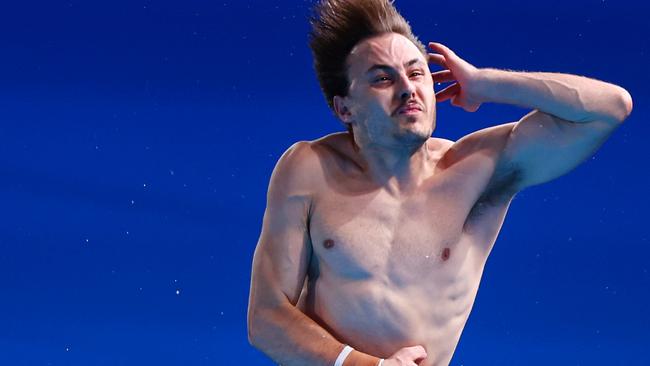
pixel 391 101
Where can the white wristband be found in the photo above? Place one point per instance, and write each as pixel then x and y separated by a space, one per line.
pixel 346 351
pixel 381 362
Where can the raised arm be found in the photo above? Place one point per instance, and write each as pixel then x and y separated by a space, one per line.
pixel 572 117
pixel 275 325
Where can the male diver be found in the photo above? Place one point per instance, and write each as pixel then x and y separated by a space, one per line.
pixel 374 240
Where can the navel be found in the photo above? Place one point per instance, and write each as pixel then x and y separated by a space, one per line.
pixel 445 254
pixel 328 243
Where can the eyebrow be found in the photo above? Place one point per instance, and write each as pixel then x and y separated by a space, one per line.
pixel 384 67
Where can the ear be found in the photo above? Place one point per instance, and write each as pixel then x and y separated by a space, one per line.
pixel 341 109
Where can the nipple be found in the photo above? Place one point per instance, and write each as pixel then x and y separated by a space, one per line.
pixel 445 254
pixel 328 243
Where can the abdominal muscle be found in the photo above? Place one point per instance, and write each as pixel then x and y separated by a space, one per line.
pixel 377 316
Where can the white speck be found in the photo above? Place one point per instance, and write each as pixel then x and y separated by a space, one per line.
pixel 132 201
pixel 67 348
pixel 96 147
pixel 127 233
pixel 86 240
pixel 171 172
pixel 175 281
pixel 144 184
pixel 178 292
pixel 222 313
pixel 140 288
pixel 426 256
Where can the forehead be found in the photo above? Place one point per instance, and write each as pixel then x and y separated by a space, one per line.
pixel 389 49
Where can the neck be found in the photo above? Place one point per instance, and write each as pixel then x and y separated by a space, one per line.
pixel 399 169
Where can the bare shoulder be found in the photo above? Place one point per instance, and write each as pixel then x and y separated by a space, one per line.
pixel 439 145
pixel 484 146
pixel 300 169
pixel 293 175
pixel 478 156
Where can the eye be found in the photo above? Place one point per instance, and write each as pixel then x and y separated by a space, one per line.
pixel 417 73
pixel 382 79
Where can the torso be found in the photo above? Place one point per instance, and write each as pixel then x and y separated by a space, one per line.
pixel 388 273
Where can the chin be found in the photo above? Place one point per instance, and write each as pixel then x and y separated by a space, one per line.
pixel 413 137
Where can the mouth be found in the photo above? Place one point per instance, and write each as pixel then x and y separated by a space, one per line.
pixel 410 108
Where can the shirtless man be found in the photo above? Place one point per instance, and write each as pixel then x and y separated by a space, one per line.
pixel 375 239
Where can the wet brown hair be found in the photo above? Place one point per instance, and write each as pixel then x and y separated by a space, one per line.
pixel 338 26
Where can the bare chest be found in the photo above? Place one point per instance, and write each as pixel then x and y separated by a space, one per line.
pixel 374 237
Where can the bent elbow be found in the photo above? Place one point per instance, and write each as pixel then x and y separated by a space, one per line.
pixel 250 338
pixel 251 331
pixel 626 104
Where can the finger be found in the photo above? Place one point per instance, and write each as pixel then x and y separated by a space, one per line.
pixel 443 76
pixel 441 48
pixel 447 92
pixel 419 349
pixel 437 59
pixel 420 353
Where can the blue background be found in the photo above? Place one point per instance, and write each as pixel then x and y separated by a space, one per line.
pixel 138 137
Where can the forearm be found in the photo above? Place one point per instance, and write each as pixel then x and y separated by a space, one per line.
pixel 291 338
pixel 570 97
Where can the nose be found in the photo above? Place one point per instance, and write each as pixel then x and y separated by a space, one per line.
pixel 406 90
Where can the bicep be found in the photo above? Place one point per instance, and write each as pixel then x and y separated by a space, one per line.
pixel 542 147
pixel 283 251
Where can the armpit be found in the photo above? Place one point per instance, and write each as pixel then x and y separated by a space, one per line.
pixel 501 188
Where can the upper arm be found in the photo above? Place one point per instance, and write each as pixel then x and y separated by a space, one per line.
pixel 536 149
pixel 283 251
pixel 542 147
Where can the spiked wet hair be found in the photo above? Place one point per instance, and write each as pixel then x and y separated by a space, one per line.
pixel 338 26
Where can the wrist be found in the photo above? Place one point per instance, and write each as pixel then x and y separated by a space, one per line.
pixel 356 358
pixel 483 85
